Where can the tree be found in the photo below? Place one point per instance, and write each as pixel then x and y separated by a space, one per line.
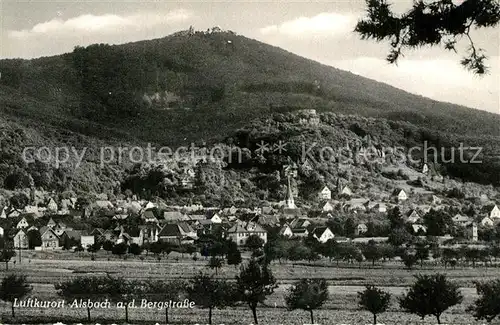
pixel 234 255
pixel 371 252
pixel 6 255
pixel 210 293
pixel 120 249
pixel 107 246
pixel 422 252
pixel 94 248
pixel 307 294
pixel 431 295
pixel 487 306
pixel 34 239
pixel 124 291
pixel 254 242
pixel 135 249
pixel 375 300
pixel 19 201
pixel 254 283
pixel 215 263
pixel 14 287
pixel 409 260
pixel 435 23
pixel 159 291
pixel 93 288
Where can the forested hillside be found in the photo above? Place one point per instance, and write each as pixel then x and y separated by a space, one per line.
pixel 207 87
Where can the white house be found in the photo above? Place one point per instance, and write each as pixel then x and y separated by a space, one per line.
pixel 3 214
pixel 461 220
pixel 2 231
pixel 487 222
pixel 22 224
pixel 21 240
pixel 413 216
pixel 87 241
pixel 400 194
pixel 52 205
pixel 323 234
pixel 419 229
pixel 346 191
pixel 327 207
pixel 286 231
pixel 495 213
pixel 216 218
pixel 325 193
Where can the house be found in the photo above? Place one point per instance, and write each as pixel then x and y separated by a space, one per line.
pixel 216 218
pixel 495 213
pixel 21 240
pixel 149 233
pixel 174 216
pixel 22 224
pixel 149 216
pixel 461 220
pixel 103 205
pixel 380 207
pixel 323 234
pixel 487 222
pixel 3 214
pixel 360 229
pixel 325 193
pixel 149 205
pixel 346 191
pixel 300 232
pixel 177 234
pixel 425 169
pixel 400 194
pixel 436 200
pixel 87 240
pixel 52 205
pixel 286 231
pixel 472 232
pixel 33 210
pixel 300 223
pixel 419 229
pixel 51 223
pixel 50 240
pixel 2 232
pixel 413 216
pixel 239 233
pixel 327 207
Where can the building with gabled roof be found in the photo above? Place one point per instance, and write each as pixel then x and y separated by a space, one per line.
pixel 323 234
pixel 22 224
pixel 325 193
pixel 240 232
pixel 21 240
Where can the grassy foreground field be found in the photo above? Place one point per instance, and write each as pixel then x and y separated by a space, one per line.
pixel 342 308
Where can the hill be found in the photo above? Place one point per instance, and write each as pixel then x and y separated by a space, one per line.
pixel 201 87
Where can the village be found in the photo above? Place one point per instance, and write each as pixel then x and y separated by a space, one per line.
pixel 49 223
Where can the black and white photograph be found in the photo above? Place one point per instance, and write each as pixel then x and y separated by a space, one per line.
pixel 328 162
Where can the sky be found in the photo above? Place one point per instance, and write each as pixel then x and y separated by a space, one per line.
pixel 319 30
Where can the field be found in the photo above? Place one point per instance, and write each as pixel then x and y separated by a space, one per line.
pixel 345 280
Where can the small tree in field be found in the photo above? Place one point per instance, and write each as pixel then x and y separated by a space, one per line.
pixel 431 295
pixel 14 287
pixel 254 283
pixel 487 306
pixel 307 294
pixel 233 255
pixel 374 300
pixel 92 288
pixel 135 249
pixel 215 263
pixel 409 260
pixel 159 291
pixel 6 255
pixel 210 293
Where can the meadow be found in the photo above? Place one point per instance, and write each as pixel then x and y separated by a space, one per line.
pixel 345 280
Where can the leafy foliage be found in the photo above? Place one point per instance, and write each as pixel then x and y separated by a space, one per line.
pixel 487 306
pixel 374 300
pixel 440 22
pixel 307 294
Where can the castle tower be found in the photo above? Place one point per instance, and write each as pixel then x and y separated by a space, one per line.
pixel 290 203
